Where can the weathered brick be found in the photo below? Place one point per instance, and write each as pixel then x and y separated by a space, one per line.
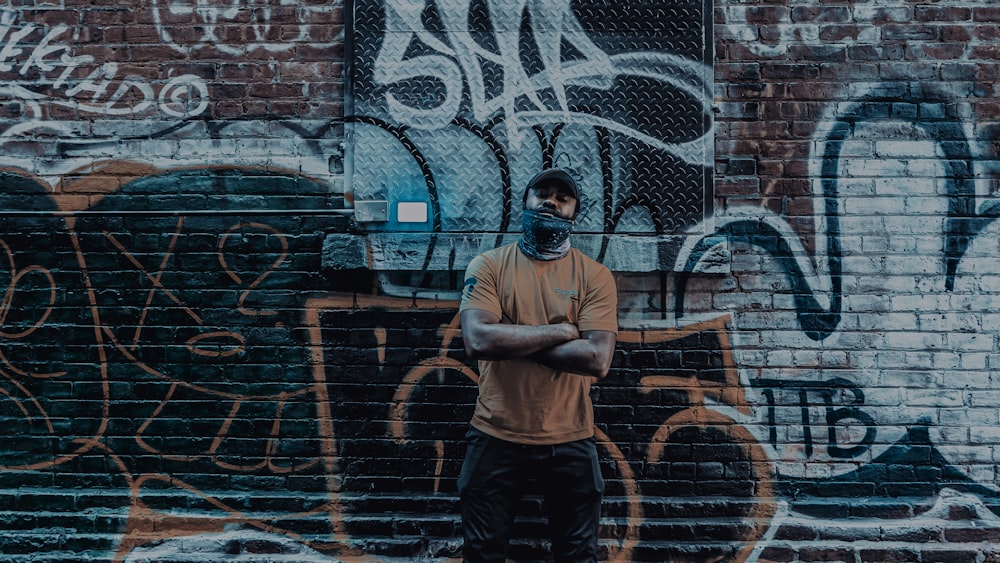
pixel 986 14
pixel 830 554
pixel 949 556
pixel 790 71
pixel 910 32
pixel 956 33
pixel 942 13
pixel 821 14
pixel 892 555
pixel 879 14
pixel 847 138
pixel 988 52
pixel 767 14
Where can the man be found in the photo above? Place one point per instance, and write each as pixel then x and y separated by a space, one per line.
pixel 541 319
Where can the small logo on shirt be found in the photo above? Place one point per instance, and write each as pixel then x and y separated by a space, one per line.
pixel 567 293
pixel 470 285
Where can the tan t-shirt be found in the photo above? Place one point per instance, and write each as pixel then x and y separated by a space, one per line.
pixel 522 400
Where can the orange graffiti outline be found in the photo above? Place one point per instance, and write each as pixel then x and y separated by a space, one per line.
pixel 86 444
pixel 702 394
pixel 236 278
pixel 147 525
pixel 236 349
pixel 157 285
pixel 220 437
pixel 7 303
pixel 19 404
pixel 159 275
pixel 8 298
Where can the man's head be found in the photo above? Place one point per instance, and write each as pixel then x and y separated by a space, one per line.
pixel 553 191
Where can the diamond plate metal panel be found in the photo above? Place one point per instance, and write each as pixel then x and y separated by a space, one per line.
pixel 456 103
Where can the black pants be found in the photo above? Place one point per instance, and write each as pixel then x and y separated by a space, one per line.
pixel 494 478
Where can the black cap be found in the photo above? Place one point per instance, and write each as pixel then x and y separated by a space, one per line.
pixel 554 176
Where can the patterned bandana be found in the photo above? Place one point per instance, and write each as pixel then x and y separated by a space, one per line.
pixel 543 236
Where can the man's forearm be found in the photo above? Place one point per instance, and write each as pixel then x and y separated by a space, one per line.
pixel 576 356
pixel 500 341
pixel 589 355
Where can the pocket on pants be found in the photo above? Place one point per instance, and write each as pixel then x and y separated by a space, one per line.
pixel 476 444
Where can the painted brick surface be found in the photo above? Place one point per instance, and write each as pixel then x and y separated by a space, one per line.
pixel 205 358
pixel 883 116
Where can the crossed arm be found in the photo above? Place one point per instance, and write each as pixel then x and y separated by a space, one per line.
pixel 560 346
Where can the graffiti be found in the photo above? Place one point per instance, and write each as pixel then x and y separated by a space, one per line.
pixel 73 105
pixel 33 51
pixel 843 423
pixel 512 87
pixel 555 27
pixel 225 317
pixel 80 179
pixel 178 377
pixel 247 544
pixel 642 454
pixel 868 362
pixel 112 336
pixel 271 25
pixel 698 391
pixel 44 392
pixel 217 304
pixel 909 343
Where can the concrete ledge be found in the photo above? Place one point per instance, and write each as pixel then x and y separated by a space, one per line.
pixel 381 252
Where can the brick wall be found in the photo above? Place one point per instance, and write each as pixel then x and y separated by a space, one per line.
pixel 855 151
pixel 204 357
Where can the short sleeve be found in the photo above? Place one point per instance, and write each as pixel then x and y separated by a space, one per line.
pixel 599 310
pixel 479 288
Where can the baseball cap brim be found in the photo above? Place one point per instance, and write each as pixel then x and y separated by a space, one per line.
pixel 555 176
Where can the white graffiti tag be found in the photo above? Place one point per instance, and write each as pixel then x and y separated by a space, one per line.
pixel 458 62
pixel 273 25
pixel 61 79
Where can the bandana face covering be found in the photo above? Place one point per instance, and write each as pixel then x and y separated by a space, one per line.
pixel 543 236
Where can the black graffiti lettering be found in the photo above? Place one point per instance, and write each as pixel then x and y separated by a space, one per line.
pixel 834 417
pixel 806 427
pixel 841 400
pixel 772 426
